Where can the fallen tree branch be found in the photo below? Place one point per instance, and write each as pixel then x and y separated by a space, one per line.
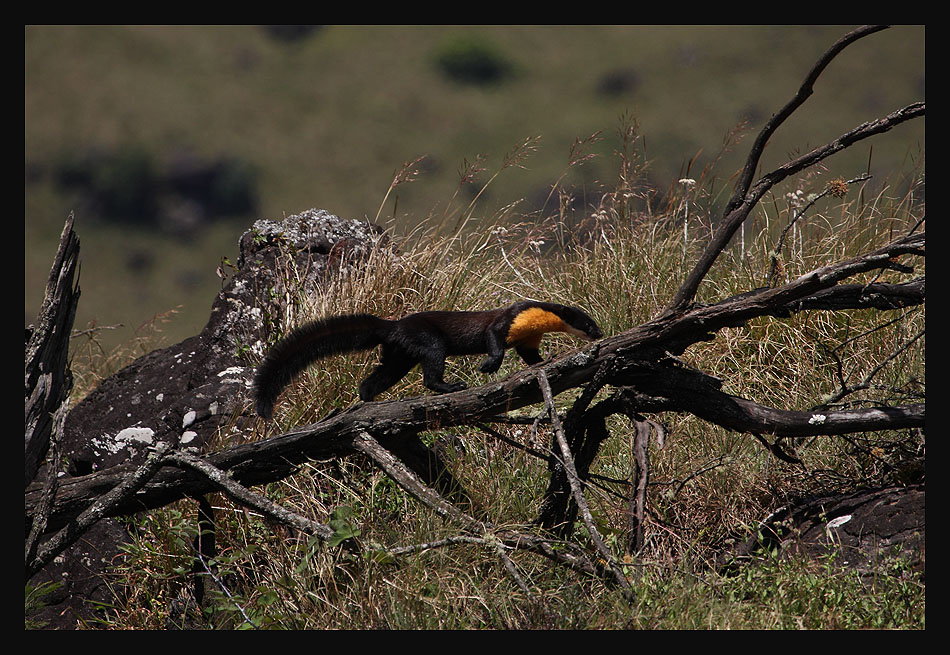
pixel 103 506
pixel 244 496
pixel 577 491
pixel 630 356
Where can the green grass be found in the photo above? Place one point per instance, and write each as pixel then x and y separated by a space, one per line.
pixel 327 120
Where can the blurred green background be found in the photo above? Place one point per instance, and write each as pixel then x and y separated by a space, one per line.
pixel 167 142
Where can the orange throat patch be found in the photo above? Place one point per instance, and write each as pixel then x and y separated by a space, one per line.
pixel 531 324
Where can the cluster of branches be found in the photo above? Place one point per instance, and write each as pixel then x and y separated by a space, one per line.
pixel 640 365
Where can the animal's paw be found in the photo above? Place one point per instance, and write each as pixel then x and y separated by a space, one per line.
pixel 489 365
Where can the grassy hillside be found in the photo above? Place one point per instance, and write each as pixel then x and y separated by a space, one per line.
pixel 709 487
pixel 326 119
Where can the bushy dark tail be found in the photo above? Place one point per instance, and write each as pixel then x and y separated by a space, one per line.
pixel 308 343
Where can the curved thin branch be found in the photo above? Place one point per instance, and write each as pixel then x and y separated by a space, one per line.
pixel 847 390
pixel 104 505
pixel 405 478
pixel 567 461
pixel 804 92
pixel 733 219
pixel 746 195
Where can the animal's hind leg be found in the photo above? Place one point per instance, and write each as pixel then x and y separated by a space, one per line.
pixel 433 373
pixel 391 369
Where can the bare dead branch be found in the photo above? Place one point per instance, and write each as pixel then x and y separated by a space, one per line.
pixel 577 491
pixel 865 296
pixel 248 498
pixel 103 506
pixel 746 196
pixel 731 222
pixel 804 92
pixel 47 376
pixel 512 570
pixel 861 132
pixel 410 483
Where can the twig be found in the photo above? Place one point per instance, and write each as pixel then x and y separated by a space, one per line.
pixel 438 543
pixel 567 460
pixel 540 454
pixel 747 196
pixel 777 450
pixel 226 592
pixel 695 474
pixel 248 498
pixel 847 390
pixel 510 567
pixel 97 510
pixel 731 222
pixel 798 214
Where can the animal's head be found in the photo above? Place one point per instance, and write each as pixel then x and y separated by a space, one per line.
pixel 580 324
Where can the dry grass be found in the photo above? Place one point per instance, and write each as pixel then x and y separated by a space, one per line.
pixel 621 264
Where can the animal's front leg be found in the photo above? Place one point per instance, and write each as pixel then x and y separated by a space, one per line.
pixel 529 355
pixel 495 346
